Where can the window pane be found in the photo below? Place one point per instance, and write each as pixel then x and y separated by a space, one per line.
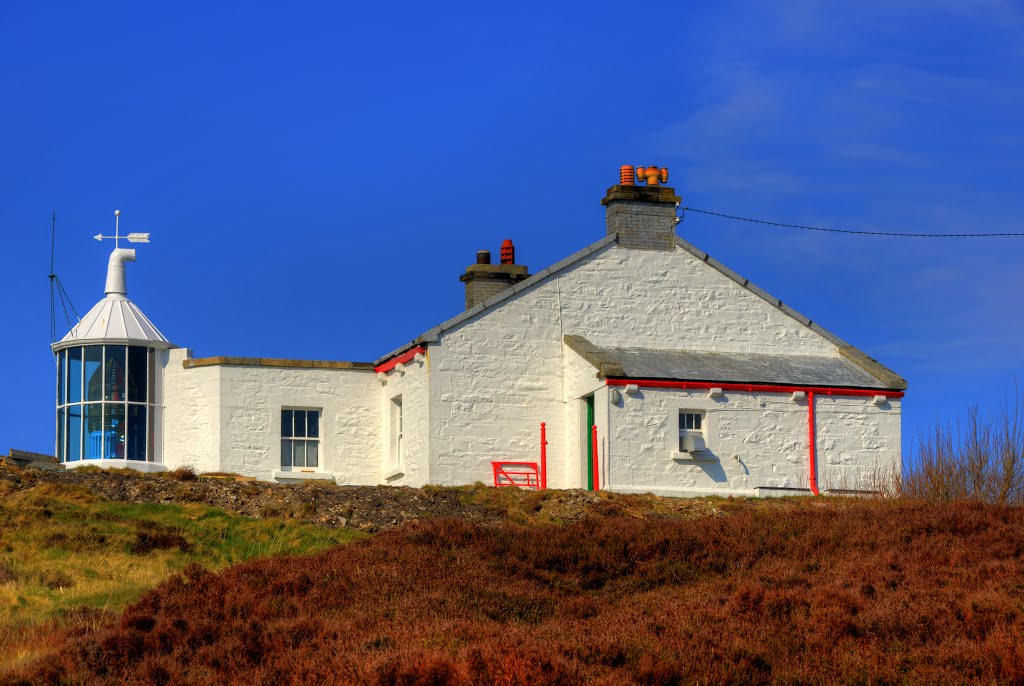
pixel 61 372
pixel 300 423
pixel 74 432
pixel 312 454
pixel 60 434
pixel 696 422
pixel 298 453
pixel 313 423
pixel 286 452
pixel 151 386
pixel 135 443
pixel 286 423
pixel 113 431
pixel 136 379
pixel 94 372
pixel 93 431
pixel 151 432
pixel 74 375
pixel 113 373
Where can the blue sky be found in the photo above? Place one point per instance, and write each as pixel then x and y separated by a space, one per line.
pixel 316 176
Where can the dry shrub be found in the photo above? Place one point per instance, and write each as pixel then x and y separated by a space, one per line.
pixel 54 579
pixel 839 591
pixel 150 536
pixel 183 473
pixel 980 459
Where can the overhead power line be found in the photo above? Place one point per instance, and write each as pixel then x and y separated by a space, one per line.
pixel 852 231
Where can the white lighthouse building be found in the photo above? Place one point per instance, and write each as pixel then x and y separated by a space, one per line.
pixel 109 410
pixel 652 367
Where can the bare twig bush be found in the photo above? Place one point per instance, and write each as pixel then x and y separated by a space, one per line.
pixel 980 459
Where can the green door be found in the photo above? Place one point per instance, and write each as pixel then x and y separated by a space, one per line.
pixel 589 400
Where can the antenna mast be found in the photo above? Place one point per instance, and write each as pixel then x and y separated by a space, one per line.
pixel 56 287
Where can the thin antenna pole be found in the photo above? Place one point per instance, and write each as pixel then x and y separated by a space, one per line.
pixel 53 313
pixel 53 238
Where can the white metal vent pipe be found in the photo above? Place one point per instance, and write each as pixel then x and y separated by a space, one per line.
pixel 116 284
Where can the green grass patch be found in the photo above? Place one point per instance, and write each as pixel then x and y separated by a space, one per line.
pixel 62 548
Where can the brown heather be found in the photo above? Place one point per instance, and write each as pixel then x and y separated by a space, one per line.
pixel 829 591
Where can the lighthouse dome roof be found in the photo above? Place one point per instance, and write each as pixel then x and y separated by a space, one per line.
pixel 115 319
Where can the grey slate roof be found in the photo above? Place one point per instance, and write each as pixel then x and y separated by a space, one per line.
pixel 878 371
pixel 694 365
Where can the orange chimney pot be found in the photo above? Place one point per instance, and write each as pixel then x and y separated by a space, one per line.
pixel 508 252
pixel 652 175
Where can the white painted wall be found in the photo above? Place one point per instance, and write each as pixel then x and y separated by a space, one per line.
pixel 413 387
pixel 250 419
pixel 228 418
pixel 191 412
pixel 754 440
pixel 567 461
pixel 858 441
pixel 495 377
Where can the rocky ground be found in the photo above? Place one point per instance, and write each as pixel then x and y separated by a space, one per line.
pixel 363 508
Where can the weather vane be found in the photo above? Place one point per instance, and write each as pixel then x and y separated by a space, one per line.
pixel 131 238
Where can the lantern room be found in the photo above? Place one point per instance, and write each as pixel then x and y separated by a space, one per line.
pixel 108 382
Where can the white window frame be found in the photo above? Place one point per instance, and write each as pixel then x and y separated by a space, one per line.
pixel 306 440
pixel 396 439
pixel 676 421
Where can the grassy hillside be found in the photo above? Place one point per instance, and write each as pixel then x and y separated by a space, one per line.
pixel 69 560
pixel 816 591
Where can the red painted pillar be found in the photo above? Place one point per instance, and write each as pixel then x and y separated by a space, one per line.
pixel 543 457
pixel 812 440
pixel 597 463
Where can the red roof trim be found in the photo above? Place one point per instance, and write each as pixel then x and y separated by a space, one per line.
pixel 751 387
pixel 401 359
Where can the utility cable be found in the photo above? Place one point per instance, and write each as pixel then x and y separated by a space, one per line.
pixel 897 234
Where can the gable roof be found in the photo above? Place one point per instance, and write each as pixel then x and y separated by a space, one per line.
pixel 886 376
pixel 433 334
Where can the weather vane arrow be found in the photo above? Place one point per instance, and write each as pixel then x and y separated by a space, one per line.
pixel 131 238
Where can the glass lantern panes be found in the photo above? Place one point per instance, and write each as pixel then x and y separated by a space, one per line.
pixel 74 376
pixel 137 375
pixel 105 403
pixel 94 373
pixel 300 438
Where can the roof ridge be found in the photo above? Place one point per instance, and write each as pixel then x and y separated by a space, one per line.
pixel 431 335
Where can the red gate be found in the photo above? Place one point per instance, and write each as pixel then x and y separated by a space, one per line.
pixel 524 474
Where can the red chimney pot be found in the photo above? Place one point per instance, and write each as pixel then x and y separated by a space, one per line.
pixel 508 252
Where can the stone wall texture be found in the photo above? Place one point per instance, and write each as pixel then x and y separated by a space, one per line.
pixel 497 376
pixel 486 384
pixel 412 385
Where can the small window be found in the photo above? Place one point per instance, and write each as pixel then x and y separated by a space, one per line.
pixel 397 449
pixel 690 423
pixel 300 439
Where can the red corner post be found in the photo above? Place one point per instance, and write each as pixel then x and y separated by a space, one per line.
pixel 597 463
pixel 543 457
pixel 812 440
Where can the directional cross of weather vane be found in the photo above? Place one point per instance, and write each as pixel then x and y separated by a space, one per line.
pixel 131 238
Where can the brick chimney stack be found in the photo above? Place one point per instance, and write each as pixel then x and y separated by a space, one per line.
pixel 644 217
pixel 485 280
